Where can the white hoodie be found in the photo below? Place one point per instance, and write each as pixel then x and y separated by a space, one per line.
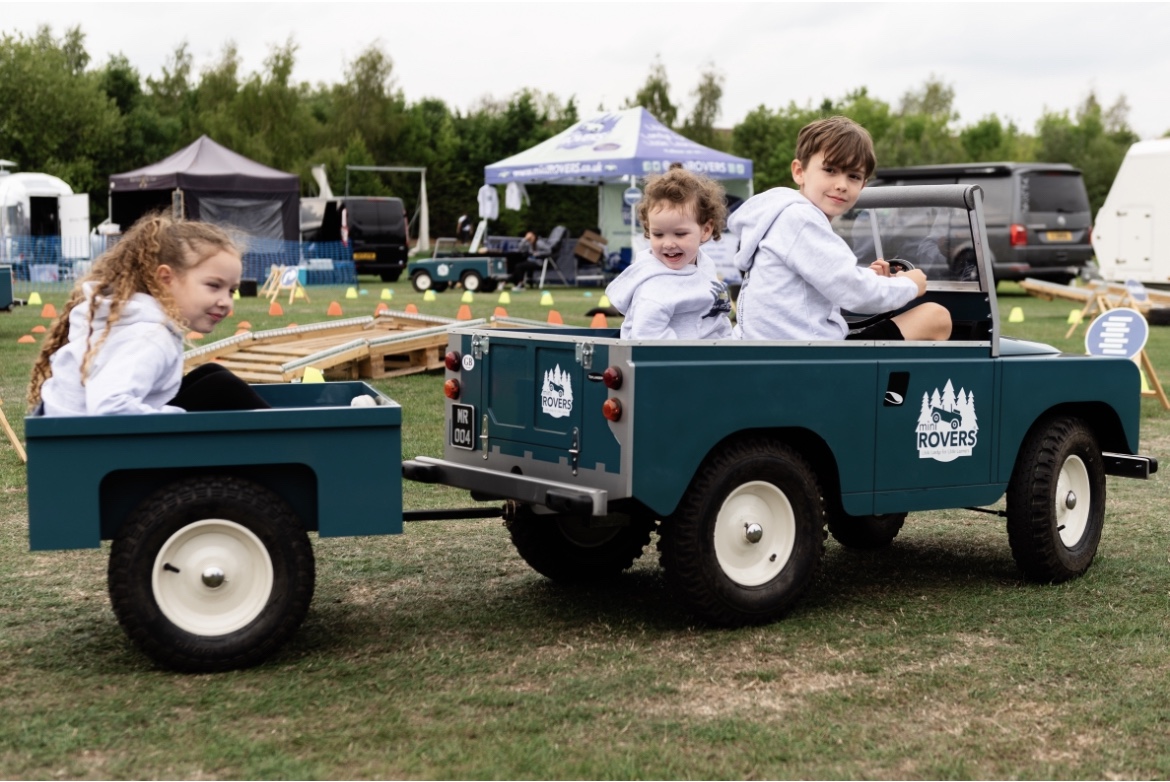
pixel 137 370
pixel 663 303
pixel 801 273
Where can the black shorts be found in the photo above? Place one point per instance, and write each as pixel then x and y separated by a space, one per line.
pixel 882 330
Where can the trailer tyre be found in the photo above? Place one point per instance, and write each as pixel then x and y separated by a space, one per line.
pixel 210 574
pixel 569 549
pixel 1056 501
pixel 748 536
pixel 866 532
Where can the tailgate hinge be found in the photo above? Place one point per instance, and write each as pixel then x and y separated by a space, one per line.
pixel 575 449
pixel 479 346
pixel 483 436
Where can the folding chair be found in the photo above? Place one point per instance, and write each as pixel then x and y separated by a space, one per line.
pixel 546 252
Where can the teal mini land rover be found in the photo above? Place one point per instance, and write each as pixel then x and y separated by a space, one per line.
pixel 739 454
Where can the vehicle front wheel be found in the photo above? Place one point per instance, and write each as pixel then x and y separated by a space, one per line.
pixel 866 532
pixel 472 281
pixel 422 281
pixel 1056 501
pixel 576 549
pixel 211 573
pixel 748 536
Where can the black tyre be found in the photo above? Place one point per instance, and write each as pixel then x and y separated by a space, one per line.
pixel 471 281
pixel 422 281
pixel 488 285
pixel 391 276
pixel 866 532
pixel 576 549
pixel 211 573
pixel 439 287
pixel 748 536
pixel 1056 501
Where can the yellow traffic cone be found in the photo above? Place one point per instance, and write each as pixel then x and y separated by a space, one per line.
pixel 351 293
pixel 468 297
pixel 34 298
pixel 1017 315
pixel 1074 317
pixel 235 295
pixel 603 301
pixel 429 295
pixel 313 375
pixel 387 294
pixel 505 298
pixel 546 299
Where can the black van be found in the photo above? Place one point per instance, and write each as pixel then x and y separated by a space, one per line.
pixel 1037 214
pixel 374 230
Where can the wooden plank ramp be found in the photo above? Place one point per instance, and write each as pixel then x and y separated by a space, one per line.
pixel 386 345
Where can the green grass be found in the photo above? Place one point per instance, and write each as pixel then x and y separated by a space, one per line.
pixel 440 654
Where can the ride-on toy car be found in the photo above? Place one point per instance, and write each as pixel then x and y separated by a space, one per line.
pixel 475 273
pixel 740 453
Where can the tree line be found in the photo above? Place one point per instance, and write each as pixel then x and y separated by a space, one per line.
pixel 64 116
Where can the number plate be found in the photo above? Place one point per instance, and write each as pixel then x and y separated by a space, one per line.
pixel 1059 236
pixel 365 256
pixel 463 426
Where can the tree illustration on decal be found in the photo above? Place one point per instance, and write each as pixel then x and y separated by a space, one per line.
pixel 924 414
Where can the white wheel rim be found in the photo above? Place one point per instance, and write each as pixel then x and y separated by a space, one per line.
pixel 191 599
pixel 424 282
pixel 471 283
pixel 755 509
pixel 1072 488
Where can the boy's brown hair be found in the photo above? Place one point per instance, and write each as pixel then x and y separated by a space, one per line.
pixel 845 144
pixel 679 188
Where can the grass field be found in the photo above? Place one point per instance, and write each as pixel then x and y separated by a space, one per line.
pixel 440 654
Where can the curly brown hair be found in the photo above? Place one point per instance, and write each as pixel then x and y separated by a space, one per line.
pixel 680 187
pixel 129 267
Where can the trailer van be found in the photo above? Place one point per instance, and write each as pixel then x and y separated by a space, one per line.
pixel 44 226
pixel 1125 233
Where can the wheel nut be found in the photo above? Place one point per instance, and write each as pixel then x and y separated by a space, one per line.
pixel 753 532
pixel 213 577
pixel 1070 501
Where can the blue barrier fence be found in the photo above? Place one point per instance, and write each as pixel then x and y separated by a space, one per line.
pixel 41 263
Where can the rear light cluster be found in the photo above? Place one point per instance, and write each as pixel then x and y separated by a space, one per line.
pixel 452 388
pixel 1019 235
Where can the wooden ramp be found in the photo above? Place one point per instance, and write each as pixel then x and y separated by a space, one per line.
pixel 389 344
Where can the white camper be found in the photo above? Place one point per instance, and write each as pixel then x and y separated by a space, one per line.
pixel 34 204
pixel 1131 236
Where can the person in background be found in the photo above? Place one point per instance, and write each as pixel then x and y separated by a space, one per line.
pixel 117 348
pixel 519 270
pixel 671 291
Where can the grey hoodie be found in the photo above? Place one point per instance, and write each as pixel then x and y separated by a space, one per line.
pixel 662 303
pixel 137 370
pixel 801 273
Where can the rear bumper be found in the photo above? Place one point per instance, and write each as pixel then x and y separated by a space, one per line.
pixel 560 497
pixel 1129 466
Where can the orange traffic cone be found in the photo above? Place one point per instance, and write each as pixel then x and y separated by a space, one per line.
pixel 464 312
pixel 276 310
pixel 410 308
pixel 599 321
pixel 334 309
pixel 39 329
pixel 26 339
pixel 381 308
pixel 243 325
pixel 49 311
pixel 291 326
pixel 555 318
pixel 500 312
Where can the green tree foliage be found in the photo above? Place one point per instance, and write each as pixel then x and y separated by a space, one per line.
pixel 654 95
pixel 699 125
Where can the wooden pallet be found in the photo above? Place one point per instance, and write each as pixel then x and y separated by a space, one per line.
pixel 389 344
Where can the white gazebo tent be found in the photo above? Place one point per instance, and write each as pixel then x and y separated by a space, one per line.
pixel 613 151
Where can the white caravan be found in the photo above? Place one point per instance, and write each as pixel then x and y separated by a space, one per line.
pixel 1131 235
pixel 33 205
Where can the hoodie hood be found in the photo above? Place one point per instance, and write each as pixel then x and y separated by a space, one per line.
pixel 139 308
pixel 754 218
pixel 645 268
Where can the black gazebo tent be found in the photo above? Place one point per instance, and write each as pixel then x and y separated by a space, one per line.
pixel 212 183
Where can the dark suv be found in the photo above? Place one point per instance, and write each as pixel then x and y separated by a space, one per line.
pixel 1037 214
pixel 374 230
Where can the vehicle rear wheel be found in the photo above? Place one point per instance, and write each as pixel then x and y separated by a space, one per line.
pixel 439 286
pixel 422 281
pixel 1056 501
pixel 489 285
pixel 866 532
pixel 576 549
pixel 748 536
pixel 391 276
pixel 471 281
pixel 211 573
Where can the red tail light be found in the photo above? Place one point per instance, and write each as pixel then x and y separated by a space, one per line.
pixel 612 409
pixel 1019 235
pixel 451 360
pixel 612 377
pixel 451 389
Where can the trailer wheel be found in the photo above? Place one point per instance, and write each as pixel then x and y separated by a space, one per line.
pixel 471 281
pixel 422 281
pixel 211 573
pixel 1056 501
pixel 571 549
pixel 866 532
pixel 748 536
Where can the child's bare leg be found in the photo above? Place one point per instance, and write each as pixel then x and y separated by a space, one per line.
pixel 928 321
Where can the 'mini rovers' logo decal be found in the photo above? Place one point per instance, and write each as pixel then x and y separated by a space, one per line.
pixel 946 425
pixel 556 395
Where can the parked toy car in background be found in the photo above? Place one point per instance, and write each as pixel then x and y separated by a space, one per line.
pixel 1037 215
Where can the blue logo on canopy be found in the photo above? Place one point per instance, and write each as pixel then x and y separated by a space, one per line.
pixel 1119 332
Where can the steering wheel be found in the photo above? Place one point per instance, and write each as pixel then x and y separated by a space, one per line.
pixel 899 265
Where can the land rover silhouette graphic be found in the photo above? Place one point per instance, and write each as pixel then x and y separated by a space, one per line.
pixel 556 395
pixel 947 428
